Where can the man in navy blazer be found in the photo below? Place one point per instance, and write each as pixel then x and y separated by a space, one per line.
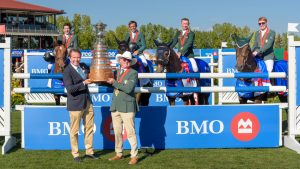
pixel 79 104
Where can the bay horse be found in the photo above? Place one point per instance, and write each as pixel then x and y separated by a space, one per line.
pixel 140 67
pixel 58 60
pixel 168 60
pixel 245 62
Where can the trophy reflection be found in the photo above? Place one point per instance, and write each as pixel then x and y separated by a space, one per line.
pixel 100 69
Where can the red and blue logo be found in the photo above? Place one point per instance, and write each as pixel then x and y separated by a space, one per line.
pixel 245 126
pixel 108 130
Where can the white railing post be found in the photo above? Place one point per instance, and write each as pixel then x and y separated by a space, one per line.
pixel 5 128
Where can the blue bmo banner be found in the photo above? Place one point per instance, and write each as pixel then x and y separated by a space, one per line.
pixel 162 127
pixel 1 77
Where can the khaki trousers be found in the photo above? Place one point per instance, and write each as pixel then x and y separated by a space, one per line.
pixel 118 119
pixel 88 122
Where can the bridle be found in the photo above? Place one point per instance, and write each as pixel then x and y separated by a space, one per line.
pixel 245 61
pixel 167 59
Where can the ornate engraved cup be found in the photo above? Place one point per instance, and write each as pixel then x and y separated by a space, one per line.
pixel 100 69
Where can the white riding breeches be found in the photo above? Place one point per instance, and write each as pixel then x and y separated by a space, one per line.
pixel 269 65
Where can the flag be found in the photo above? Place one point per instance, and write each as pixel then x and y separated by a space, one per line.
pixel 292 27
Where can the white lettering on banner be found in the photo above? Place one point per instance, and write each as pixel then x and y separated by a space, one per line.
pixel 112 54
pixel 230 70
pixel 157 84
pixel 39 70
pixel 101 98
pixel 86 54
pixel 56 128
pixel 164 98
pixel 66 128
pixel 191 127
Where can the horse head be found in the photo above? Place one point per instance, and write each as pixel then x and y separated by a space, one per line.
pixel 126 46
pixel 60 58
pixel 166 58
pixel 245 62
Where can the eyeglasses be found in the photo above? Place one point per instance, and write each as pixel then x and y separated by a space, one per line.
pixel 261 23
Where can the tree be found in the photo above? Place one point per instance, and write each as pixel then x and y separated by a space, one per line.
pixel 60 21
pixel 110 40
pixel 76 24
pixel 121 31
pixel 86 36
pixel 278 41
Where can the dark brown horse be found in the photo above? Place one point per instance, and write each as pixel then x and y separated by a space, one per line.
pixel 168 60
pixel 142 98
pixel 245 62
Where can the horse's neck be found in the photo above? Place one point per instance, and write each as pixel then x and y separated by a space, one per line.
pixel 174 63
pixel 253 60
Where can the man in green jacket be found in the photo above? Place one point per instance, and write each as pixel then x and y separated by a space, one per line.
pixel 263 43
pixel 186 38
pixel 136 37
pixel 68 39
pixel 124 106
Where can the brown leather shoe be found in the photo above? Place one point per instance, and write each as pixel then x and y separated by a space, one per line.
pixel 115 158
pixel 133 161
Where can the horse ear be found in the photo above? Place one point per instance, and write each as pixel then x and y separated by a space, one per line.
pixel 156 43
pixel 234 37
pixel 249 37
pixel 169 44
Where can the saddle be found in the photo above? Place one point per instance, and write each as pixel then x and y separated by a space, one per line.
pixel 279 66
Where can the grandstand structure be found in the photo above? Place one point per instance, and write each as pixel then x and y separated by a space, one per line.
pixel 29 26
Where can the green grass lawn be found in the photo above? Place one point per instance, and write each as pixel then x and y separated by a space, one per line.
pixel 182 158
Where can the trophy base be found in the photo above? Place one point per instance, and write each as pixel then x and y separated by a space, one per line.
pixel 100 76
pixel 101 83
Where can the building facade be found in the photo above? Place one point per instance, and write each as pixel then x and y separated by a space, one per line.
pixel 29 26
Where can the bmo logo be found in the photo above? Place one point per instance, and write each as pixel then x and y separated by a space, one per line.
pixel 108 130
pixel 245 126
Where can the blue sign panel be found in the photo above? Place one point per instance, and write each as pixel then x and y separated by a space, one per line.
pixel 229 63
pixel 1 77
pixel 17 53
pixel 297 73
pixel 36 64
pixel 230 126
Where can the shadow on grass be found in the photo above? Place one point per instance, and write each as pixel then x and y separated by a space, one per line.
pixel 284 127
pixel 100 153
pixel 147 152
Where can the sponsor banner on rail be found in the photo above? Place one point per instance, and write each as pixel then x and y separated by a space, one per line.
pixel 228 126
pixel 229 62
pixel 1 77
pixel 17 53
pixel 36 64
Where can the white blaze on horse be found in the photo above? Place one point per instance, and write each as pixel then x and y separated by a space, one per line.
pixel 168 60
